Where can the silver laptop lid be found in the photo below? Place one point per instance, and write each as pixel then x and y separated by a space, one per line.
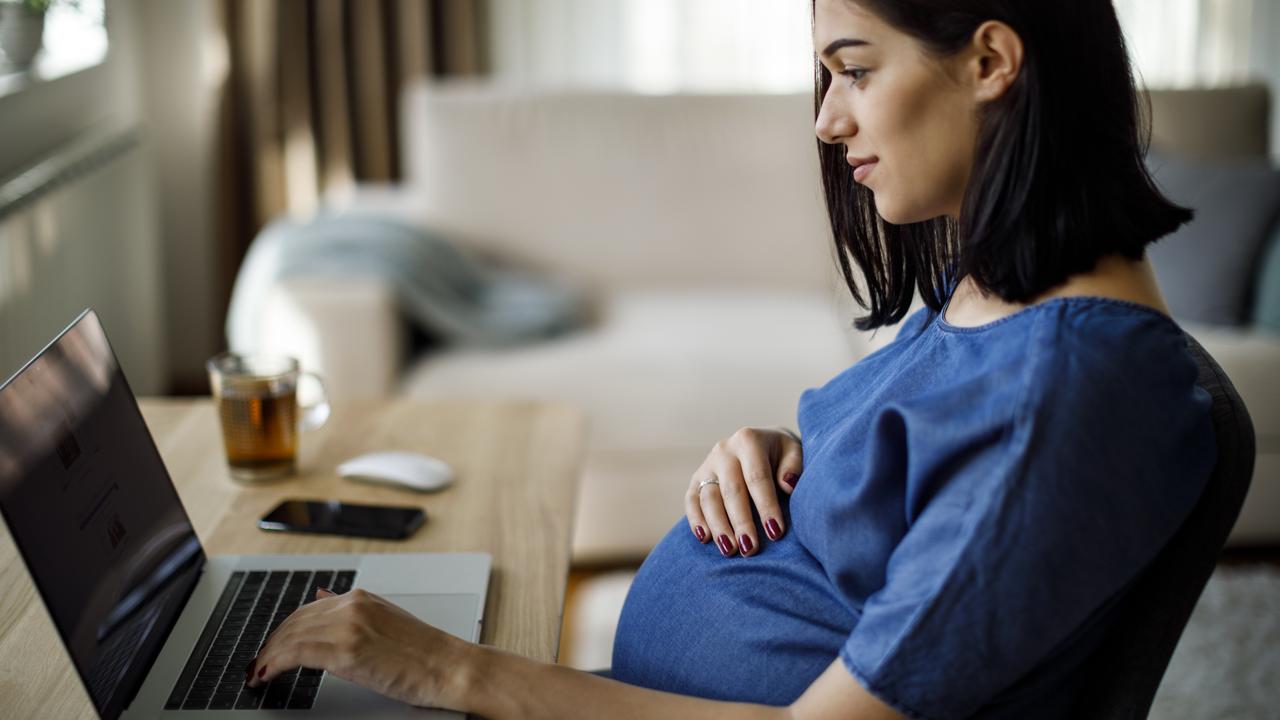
pixel 93 511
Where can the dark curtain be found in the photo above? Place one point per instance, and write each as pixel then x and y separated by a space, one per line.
pixel 310 104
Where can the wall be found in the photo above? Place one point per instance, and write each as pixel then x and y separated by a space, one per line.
pixel 90 242
pixel 181 69
pixel 162 72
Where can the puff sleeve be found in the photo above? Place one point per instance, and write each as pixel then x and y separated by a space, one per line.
pixel 1038 529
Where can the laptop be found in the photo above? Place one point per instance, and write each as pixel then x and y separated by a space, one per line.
pixel 153 626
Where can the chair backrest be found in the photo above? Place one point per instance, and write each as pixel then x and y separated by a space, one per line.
pixel 1124 672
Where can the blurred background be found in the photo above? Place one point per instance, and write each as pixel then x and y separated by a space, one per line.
pixel 239 111
pixel 624 190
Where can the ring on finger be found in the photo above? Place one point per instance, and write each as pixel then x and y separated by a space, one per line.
pixel 713 480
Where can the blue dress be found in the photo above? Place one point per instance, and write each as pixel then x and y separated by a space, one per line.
pixel 973 503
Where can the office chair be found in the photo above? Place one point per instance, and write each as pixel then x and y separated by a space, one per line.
pixel 1125 671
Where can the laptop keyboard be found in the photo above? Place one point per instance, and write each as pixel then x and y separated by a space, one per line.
pixel 251 607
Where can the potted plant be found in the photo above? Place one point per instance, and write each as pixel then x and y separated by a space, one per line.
pixel 22 30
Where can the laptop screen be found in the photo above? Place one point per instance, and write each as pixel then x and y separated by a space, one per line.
pixel 93 511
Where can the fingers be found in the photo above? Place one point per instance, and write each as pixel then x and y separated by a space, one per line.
pixel 285 656
pixel 737 505
pixel 693 511
pixel 282 646
pixel 757 473
pixel 790 462
pixel 717 519
pixel 748 468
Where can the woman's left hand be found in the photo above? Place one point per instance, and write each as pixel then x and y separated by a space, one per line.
pixel 369 641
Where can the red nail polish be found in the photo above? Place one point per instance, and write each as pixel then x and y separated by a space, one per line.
pixel 726 546
pixel 262 672
pixel 702 534
pixel 772 529
pixel 746 545
pixel 791 479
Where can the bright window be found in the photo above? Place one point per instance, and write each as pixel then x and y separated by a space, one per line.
pixel 75 38
pixel 766 45
pixel 729 45
pixel 1183 43
pixel 655 46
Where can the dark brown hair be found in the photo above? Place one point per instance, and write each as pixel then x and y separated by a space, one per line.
pixel 1058 179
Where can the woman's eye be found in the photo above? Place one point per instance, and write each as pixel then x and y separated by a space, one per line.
pixel 855 75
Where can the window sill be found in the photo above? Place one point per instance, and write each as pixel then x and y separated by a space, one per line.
pixel 45 69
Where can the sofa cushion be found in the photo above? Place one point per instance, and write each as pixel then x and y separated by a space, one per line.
pixel 620 189
pixel 1207 267
pixel 667 368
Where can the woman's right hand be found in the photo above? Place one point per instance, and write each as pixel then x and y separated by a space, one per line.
pixel 747 466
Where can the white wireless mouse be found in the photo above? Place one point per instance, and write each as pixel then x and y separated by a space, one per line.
pixel 403 469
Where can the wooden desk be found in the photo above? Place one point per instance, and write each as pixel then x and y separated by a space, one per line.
pixel 517 466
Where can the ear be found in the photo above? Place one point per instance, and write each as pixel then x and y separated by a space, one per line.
pixel 995 59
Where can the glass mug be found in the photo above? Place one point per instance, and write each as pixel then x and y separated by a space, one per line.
pixel 257 399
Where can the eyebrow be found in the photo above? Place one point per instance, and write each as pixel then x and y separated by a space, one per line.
pixel 842 43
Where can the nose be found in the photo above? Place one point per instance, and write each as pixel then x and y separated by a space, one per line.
pixel 833 121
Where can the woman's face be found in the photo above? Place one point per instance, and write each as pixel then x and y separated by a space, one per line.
pixel 908 121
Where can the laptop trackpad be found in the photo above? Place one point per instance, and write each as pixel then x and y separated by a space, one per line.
pixel 457 614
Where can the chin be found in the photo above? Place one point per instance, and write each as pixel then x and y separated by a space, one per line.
pixel 895 214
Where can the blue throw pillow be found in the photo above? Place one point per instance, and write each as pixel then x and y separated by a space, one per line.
pixel 1207 268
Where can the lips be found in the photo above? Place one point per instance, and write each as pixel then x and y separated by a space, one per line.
pixel 862 166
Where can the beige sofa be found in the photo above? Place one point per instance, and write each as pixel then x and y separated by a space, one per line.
pixel 696 223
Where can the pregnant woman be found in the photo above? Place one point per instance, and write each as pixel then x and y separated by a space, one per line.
pixel 960 512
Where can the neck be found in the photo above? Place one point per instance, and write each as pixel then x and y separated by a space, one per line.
pixel 1113 277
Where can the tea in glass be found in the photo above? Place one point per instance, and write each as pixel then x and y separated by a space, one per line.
pixel 256 397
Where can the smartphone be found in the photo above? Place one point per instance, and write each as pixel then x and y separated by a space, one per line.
pixel 330 517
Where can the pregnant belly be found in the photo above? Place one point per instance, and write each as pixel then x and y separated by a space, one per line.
pixel 757 629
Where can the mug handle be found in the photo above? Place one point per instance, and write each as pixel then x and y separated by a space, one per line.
pixel 316 414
